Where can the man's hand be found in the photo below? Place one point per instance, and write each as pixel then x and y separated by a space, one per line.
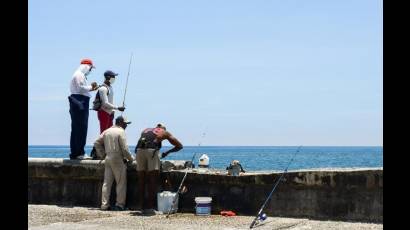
pixel 127 162
pixel 121 108
pixel 94 86
pixel 164 154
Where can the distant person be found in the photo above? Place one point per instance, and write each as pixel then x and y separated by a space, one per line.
pixel 104 101
pixel 235 168
pixel 148 163
pixel 79 107
pixel 112 145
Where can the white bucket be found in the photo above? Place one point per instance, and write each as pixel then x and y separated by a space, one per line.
pixel 203 206
pixel 203 161
pixel 165 199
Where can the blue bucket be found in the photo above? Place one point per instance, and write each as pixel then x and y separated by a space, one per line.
pixel 203 206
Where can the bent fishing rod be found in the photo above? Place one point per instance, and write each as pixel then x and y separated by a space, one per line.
pixel 126 83
pixel 182 182
pixel 274 187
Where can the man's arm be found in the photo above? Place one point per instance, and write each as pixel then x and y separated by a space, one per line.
pixel 99 147
pixel 103 91
pixel 124 147
pixel 82 84
pixel 241 168
pixel 175 142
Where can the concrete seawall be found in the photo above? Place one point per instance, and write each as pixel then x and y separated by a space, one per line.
pixel 334 194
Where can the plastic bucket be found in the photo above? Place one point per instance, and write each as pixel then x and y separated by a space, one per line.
pixel 203 161
pixel 165 201
pixel 203 206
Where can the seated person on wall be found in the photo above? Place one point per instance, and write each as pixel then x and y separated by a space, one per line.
pixel 235 169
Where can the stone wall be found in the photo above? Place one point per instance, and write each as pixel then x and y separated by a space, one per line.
pixel 334 194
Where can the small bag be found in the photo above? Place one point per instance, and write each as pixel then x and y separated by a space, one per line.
pixel 97 101
pixel 93 154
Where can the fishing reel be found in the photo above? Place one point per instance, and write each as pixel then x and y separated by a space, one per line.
pixel 262 218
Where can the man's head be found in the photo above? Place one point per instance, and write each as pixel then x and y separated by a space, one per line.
pixel 110 76
pixel 89 63
pixel 122 122
pixel 160 125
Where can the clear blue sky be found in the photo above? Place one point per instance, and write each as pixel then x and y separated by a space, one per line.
pixel 244 72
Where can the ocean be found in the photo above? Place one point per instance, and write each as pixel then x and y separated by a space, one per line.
pixel 256 158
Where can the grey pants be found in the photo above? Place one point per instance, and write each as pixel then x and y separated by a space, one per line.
pixel 114 170
pixel 147 160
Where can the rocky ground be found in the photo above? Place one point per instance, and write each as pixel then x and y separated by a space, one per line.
pixel 84 218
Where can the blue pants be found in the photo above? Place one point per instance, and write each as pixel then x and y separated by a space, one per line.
pixel 79 123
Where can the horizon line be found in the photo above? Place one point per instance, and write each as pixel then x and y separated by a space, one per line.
pixel 238 145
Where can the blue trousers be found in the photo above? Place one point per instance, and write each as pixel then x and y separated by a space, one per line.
pixel 79 109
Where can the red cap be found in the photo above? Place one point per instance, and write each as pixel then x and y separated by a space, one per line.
pixel 88 62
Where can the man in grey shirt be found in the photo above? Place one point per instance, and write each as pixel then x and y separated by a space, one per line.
pixel 106 95
pixel 112 145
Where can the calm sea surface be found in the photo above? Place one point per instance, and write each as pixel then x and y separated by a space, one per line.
pixel 256 157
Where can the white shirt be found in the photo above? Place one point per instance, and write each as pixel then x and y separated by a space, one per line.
pixel 78 83
pixel 107 101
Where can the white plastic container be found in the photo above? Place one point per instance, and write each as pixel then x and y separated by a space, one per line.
pixel 203 206
pixel 203 161
pixel 165 199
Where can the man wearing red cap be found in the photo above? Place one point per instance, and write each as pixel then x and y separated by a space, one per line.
pixel 79 108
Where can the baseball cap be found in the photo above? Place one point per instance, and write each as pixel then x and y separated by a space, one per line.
pixel 161 125
pixel 88 62
pixel 122 119
pixel 110 73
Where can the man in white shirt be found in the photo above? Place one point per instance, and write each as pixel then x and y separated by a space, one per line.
pixel 79 108
pixel 106 95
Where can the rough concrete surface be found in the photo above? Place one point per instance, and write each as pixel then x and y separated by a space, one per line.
pixel 46 217
pixel 322 194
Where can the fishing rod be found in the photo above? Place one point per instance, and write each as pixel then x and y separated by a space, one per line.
pixel 259 215
pixel 182 182
pixel 126 83
pixel 174 200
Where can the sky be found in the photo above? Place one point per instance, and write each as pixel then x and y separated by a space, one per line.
pixel 247 73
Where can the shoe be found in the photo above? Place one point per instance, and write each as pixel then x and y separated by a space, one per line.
pixel 73 156
pixel 83 157
pixel 106 209
pixel 118 208
pixel 149 212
